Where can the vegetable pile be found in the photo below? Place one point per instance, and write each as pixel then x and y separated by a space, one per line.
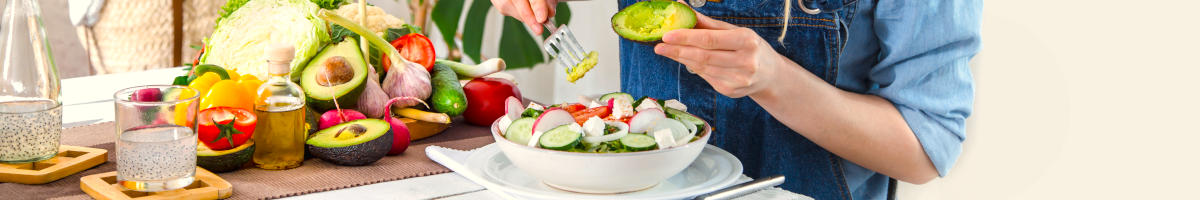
pixel 619 124
pixel 391 86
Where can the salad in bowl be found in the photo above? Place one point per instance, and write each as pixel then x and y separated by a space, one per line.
pixel 612 144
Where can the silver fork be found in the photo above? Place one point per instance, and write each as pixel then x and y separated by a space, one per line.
pixel 563 45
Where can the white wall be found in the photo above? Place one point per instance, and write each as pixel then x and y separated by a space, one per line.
pixel 1075 99
pixel 1081 100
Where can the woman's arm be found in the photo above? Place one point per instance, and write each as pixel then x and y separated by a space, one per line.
pixel 865 129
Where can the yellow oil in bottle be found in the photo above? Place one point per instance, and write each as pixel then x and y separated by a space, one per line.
pixel 279 136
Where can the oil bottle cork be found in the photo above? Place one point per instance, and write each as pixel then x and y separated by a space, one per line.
pixel 279 57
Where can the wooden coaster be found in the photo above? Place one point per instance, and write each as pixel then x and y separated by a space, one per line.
pixel 104 186
pixel 70 160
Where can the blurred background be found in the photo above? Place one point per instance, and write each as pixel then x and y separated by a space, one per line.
pixel 1075 99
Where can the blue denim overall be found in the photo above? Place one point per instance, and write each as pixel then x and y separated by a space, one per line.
pixel 764 145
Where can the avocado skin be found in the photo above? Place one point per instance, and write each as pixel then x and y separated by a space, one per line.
pixel 226 163
pixel 355 155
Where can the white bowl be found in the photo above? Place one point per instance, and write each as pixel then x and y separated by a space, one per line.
pixel 601 173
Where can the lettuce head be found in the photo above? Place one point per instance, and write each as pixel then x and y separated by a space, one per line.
pixel 241 37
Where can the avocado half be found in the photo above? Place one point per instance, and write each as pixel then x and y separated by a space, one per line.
pixel 320 96
pixel 354 143
pixel 224 160
pixel 647 21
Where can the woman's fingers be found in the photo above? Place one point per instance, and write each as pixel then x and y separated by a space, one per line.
pixel 710 39
pixel 705 22
pixel 525 14
pixel 539 8
pixel 700 56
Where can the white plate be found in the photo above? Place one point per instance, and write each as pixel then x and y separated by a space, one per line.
pixel 714 169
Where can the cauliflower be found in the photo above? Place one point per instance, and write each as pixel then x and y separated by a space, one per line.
pixel 378 21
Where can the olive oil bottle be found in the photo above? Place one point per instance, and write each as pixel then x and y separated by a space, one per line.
pixel 279 136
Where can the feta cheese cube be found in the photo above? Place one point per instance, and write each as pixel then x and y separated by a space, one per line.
pixel 675 104
pixel 664 138
pixel 648 104
pixel 594 126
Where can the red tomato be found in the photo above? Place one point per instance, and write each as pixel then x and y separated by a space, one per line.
pixel 485 99
pixel 583 115
pixel 572 108
pixel 223 128
pixel 415 48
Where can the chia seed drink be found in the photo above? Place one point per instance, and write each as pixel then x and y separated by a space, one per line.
pixel 156 158
pixel 29 130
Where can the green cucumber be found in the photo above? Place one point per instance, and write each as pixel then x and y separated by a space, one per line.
pixel 604 99
pixel 684 117
pixel 560 138
pixel 520 130
pixel 448 96
pixel 638 142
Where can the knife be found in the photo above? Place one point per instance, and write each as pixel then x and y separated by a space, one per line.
pixel 743 189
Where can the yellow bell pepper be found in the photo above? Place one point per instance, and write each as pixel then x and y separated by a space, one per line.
pixel 250 83
pixel 205 81
pixel 226 93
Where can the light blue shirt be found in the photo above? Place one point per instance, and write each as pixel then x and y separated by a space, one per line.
pixel 914 54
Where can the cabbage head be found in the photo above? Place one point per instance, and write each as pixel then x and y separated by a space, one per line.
pixel 240 39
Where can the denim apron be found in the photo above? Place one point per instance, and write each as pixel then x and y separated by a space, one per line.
pixel 764 145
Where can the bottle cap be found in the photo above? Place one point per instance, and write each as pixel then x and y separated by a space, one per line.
pixel 280 56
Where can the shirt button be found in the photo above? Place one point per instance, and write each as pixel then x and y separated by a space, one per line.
pixel 697 3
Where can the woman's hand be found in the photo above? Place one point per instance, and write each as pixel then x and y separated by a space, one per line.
pixel 531 12
pixel 734 60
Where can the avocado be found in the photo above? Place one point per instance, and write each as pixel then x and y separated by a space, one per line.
pixel 347 70
pixel 647 21
pixel 225 160
pixel 354 143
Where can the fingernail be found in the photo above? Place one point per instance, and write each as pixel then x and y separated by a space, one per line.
pixel 660 48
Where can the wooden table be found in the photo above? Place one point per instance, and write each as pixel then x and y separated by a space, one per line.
pixel 88 100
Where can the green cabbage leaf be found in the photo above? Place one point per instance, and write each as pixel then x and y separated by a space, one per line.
pixel 241 35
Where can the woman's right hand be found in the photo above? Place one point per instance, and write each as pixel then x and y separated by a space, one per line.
pixel 531 12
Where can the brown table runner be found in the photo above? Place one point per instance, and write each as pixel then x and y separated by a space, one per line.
pixel 314 176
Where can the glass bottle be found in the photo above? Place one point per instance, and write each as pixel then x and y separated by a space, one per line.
pixel 30 111
pixel 279 136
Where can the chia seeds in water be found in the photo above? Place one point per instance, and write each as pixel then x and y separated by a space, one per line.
pixel 158 153
pixel 29 130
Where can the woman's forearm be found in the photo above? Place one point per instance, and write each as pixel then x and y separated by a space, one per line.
pixel 865 129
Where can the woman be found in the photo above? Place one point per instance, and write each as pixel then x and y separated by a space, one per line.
pixel 843 94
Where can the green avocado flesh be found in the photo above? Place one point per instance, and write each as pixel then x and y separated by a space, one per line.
pixel 321 96
pixel 224 160
pixel 647 21
pixel 354 143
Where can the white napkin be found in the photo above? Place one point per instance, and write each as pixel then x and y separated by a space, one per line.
pixel 456 160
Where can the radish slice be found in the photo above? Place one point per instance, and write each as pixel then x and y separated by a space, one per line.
pixel 551 119
pixel 643 120
pixel 622 130
pixel 512 106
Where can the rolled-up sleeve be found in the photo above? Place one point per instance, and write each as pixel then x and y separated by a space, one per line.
pixel 923 69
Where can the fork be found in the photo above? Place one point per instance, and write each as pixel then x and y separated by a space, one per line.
pixel 563 45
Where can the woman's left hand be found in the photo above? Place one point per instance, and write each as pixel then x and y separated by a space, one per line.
pixel 734 60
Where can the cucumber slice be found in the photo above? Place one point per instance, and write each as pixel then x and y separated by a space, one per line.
pixel 638 142
pixel 684 117
pixel 560 138
pixel 604 99
pixel 520 130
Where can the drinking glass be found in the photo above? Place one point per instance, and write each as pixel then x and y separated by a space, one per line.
pixel 156 145
pixel 30 111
